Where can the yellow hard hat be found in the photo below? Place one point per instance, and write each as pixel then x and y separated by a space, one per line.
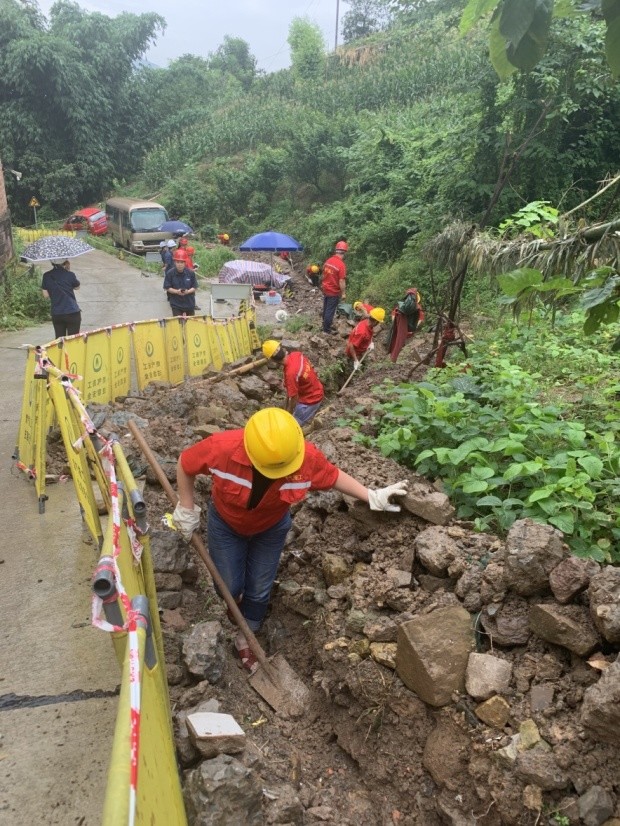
pixel 270 347
pixel 357 305
pixel 378 314
pixel 314 268
pixel 226 236
pixel 274 442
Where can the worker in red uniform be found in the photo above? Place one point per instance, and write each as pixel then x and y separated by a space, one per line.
pixel 362 310
pixel 304 391
pixel 361 337
pixel 334 284
pixel 223 238
pixel 258 472
pixel 189 253
pixel 313 272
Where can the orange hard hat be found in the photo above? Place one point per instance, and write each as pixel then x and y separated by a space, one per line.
pixel 179 255
pixel 342 246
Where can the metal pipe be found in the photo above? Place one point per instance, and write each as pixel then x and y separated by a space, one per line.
pixel 140 604
pixel 104 586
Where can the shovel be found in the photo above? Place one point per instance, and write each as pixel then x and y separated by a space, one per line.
pixel 274 679
pixel 245 368
pixel 354 371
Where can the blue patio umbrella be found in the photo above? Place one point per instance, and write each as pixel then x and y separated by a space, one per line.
pixel 175 227
pixel 271 241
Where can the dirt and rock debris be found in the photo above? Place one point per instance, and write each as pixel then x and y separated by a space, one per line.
pixel 456 677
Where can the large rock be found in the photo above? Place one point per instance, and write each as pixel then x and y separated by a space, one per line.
pixel 203 651
pixel 565 625
pixel 335 569
pixel 494 712
pixel 571 577
pixel 436 550
pixel 446 754
pixel 595 806
pixel 600 712
pixel 507 624
pixel 432 653
pixel 532 552
pixel 222 791
pixel 486 675
pixel 540 768
pixel 169 551
pixel 604 594
pixel 427 503
pixel 254 388
pixel 213 733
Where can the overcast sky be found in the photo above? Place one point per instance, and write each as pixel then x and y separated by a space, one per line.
pixel 199 26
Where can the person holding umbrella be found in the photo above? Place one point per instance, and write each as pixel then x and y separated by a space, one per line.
pixel 59 285
pixel 334 284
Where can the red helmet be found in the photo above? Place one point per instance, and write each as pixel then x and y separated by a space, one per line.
pixel 342 246
pixel 179 255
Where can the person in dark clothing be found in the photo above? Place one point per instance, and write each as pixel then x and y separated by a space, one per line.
pixel 165 252
pixel 180 284
pixel 58 285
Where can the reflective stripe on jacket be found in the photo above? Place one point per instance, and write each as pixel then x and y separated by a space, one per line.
pixel 223 457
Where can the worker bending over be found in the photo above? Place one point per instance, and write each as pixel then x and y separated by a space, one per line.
pixel 360 339
pixel 304 391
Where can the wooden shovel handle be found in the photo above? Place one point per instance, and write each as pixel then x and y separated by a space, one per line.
pixel 245 368
pixel 199 546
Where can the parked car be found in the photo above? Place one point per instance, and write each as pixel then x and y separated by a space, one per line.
pixel 91 219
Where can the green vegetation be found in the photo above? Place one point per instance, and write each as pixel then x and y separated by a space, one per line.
pixel 21 300
pixel 527 425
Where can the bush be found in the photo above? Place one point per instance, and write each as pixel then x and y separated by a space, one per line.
pixel 526 427
pixel 21 301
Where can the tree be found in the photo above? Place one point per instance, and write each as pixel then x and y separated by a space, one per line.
pixel 70 121
pixel 519 30
pixel 363 18
pixel 234 57
pixel 307 50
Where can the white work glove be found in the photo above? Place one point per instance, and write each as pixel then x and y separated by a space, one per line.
pixel 371 346
pixel 186 520
pixel 379 500
pixel 356 364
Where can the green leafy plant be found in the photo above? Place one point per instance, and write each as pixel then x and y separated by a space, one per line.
pixel 21 300
pixel 538 218
pixel 510 441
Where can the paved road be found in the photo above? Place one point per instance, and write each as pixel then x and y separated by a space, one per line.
pixel 58 675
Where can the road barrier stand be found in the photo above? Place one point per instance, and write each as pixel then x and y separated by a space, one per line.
pixel 96 366
pixel 143 782
pixel 61 378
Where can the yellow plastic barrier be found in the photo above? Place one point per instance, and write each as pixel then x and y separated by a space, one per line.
pixel 149 346
pixel 98 363
pixel 175 351
pixel 198 346
pixel 80 472
pixel 159 798
pixel 30 235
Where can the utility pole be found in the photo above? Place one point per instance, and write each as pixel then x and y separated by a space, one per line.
pixel 337 16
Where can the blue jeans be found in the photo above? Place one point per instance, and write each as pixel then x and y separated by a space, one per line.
pixel 248 564
pixel 304 413
pixel 330 305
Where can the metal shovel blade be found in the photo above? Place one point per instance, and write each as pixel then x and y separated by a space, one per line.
pixel 281 687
